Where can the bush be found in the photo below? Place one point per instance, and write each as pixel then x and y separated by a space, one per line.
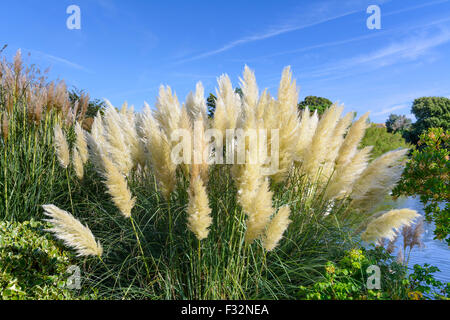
pixel 33 265
pixel 347 279
pixel 427 175
pixel 383 141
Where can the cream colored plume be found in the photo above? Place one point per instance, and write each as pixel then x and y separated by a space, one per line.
pixel 387 225
pixel 117 186
pixel 344 177
pixel 288 123
pixel 81 143
pixel 72 232
pixel 61 146
pixel 350 145
pixel 317 153
pixel 306 131
pixel 228 106
pixel 249 88
pixel 198 210
pixel 77 163
pixel 168 111
pixel 377 180
pixel 160 149
pixel 258 209
pixel 196 104
pixel 117 147
pixel 276 228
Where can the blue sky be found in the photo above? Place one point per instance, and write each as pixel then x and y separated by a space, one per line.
pixel 126 49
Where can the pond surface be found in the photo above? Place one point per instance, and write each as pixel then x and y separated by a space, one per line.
pixel 435 252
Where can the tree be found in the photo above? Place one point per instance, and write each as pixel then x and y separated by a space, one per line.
pixel 382 140
pixel 430 112
pixel 315 103
pixel 398 123
pixel 427 175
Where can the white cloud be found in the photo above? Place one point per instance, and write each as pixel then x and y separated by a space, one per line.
pixel 391 109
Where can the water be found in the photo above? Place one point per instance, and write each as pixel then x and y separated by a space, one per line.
pixel 435 253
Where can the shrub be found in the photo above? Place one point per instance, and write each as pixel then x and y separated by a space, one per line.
pixel 33 265
pixel 383 141
pixel 230 231
pixel 427 175
pixel 347 278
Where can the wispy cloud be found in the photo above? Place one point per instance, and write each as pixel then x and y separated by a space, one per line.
pixel 60 61
pixel 410 49
pixel 391 109
pixel 275 31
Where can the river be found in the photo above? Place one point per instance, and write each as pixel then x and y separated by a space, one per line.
pixel 435 252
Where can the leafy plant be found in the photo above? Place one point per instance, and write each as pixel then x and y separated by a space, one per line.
pixel 315 103
pixel 427 175
pixel 33 265
pixel 423 284
pixel 383 141
pixel 347 279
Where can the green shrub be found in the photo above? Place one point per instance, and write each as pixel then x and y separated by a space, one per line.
pixel 382 140
pixel 33 265
pixel 346 279
pixel 427 175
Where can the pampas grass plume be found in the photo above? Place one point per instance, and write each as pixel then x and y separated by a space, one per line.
pixel 72 232
pixel 386 225
pixel 117 186
pixel 199 218
pixel 61 146
pixel 276 228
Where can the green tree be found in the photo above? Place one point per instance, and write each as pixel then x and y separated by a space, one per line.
pixel 315 103
pixel 397 123
pixel 382 140
pixel 427 175
pixel 430 112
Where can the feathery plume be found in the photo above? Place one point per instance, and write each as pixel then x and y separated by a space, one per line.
pixel 199 218
pixel 350 145
pixel 276 228
pixel 168 111
pixel 377 180
pixel 72 232
pixel 258 209
pixel 288 123
pixel 160 149
pixel 318 149
pixel 61 146
pixel 196 104
pixel 386 225
pixel 343 178
pixel 81 143
pixel 117 186
pixel 77 163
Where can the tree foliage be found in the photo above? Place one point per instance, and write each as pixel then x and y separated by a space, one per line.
pixel 430 112
pixel 315 103
pixel 427 175
pixel 382 140
pixel 397 123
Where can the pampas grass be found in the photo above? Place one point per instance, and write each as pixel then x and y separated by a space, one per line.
pixel 208 230
pixel 386 225
pixel 72 232
pixel 276 228
pixel 61 147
